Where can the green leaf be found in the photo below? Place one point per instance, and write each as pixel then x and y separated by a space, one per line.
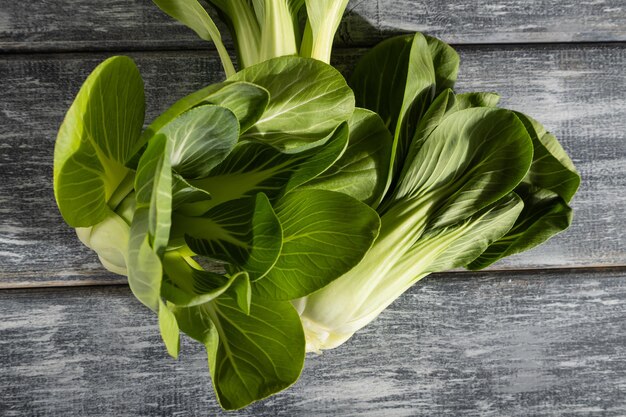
pixel 544 215
pixel 445 63
pixel 244 232
pixel 325 234
pixel 186 103
pixel 186 284
pixel 444 105
pixel 153 191
pixel 144 265
pixel 487 152
pixel 247 101
pixel 191 14
pixel 170 332
pixel 469 100
pixel 397 80
pixel 362 170
pixel 241 292
pixel 251 356
pixel 549 185
pixel 461 243
pixel 185 193
pixel 308 100
pixel 150 228
pixel 253 168
pixel 200 139
pixel 552 169
pixel 100 132
pixel 379 78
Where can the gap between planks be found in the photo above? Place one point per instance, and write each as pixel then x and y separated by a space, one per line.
pixel 123 282
pixel 339 49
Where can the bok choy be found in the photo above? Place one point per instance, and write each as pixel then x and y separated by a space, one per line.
pixel 281 210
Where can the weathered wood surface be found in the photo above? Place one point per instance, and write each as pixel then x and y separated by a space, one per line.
pixel 505 344
pixel 71 25
pixel 577 91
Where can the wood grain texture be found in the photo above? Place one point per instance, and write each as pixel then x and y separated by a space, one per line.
pixel 72 25
pixel 505 344
pixel 577 91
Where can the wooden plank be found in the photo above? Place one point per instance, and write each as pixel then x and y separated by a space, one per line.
pixel 513 344
pixel 575 90
pixel 72 25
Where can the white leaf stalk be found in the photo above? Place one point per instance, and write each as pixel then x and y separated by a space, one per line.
pixel 405 252
pixel 324 18
pixel 333 314
pixel 109 238
pixel 266 29
pixel 278 37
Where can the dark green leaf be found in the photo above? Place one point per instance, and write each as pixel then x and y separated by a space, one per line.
pixel 473 158
pixel 251 356
pixel 445 62
pixel 548 186
pixel 325 234
pixel 461 243
pixel 397 80
pixel 243 232
pixel 552 169
pixel 187 284
pixel 362 170
pixel 545 214
pixel 255 167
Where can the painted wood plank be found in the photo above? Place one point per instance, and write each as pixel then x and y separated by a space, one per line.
pixel 575 90
pixel 505 344
pixel 73 25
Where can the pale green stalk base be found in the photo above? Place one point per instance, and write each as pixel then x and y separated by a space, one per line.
pixel 331 315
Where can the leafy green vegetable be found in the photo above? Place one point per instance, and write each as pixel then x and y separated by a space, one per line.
pixel 308 99
pixel 323 20
pixel 266 215
pixel 243 232
pixel 254 167
pixel 548 187
pixel 250 356
pixel 398 79
pixel 200 139
pixel 472 184
pixel 101 131
pixel 361 171
pixel 325 234
pixel 149 232
pixel 433 207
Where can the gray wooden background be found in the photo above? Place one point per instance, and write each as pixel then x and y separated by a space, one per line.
pixel 543 333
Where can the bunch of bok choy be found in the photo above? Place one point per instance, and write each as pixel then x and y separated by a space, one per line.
pixel 317 201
